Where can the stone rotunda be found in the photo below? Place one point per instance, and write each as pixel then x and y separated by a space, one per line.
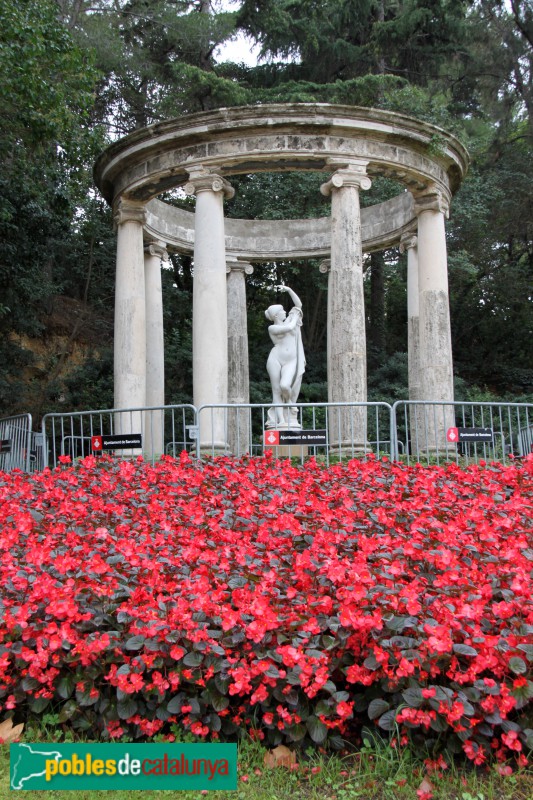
pixel 200 153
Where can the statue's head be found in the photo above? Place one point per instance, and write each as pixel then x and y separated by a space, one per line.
pixel 275 313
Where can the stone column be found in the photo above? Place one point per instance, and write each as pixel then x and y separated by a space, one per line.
pixel 130 317
pixel 239 427
pixel 210 330
pixel 436 368
pixel 409 245
pixel 346 310
pixel 154 254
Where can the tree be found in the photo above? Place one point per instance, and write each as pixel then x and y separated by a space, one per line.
pixel 156 58
pixel 491 254
pixel 330 40
pixel 71 68
pixel 46 146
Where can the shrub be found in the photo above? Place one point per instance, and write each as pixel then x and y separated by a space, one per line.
pixel 298 603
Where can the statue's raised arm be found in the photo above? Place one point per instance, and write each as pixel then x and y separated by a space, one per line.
pixel 286 362
pixel 292 294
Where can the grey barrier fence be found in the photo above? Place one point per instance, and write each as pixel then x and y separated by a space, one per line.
pixel 342 430
pixel 325 431
pixel 150 432
pixel 462 431
pixel 20 447
pixel 408 431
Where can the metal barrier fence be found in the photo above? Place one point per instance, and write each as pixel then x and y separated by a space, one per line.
pixel 326 431
pixel 149 432
pixel 408 431
pixel 463 432
pixel 340 431
pixel 20 447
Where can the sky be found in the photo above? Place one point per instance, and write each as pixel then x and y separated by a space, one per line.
pixel 241 49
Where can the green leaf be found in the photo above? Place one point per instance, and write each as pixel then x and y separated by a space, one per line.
pixel 528 733
pixel 317 730
pixel 517 665
pixel 193 659
pixel 341 697
pixel 388 721
pixel 175 703
pixel 398 623
pixel 377 708
pixel 222 683
pixel 371 662
pixel 323 708
pixel 312 653
pixel 413 697
pixel 28 683
pixel 443 693
pixel 296 732
pixel 229 727
pixel 464 650
pixel 527 649
pixel 218 701
pixel 213 722
pixel 194 704
pixel 439 724
pixel 38 704
pixel 68 711
pixel 126 708
pixel 82 724
pixel 135 643
pixel 84 698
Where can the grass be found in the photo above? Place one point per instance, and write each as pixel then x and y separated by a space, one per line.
pixel 374 773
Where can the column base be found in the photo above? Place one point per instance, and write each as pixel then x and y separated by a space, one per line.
pixel 214 449
pixel 349 449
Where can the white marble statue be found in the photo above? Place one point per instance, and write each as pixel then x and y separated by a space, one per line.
pixel 286 362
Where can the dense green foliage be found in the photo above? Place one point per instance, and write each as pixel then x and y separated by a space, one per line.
pixel 74 75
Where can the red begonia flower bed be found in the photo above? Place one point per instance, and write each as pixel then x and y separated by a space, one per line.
pixel 298 603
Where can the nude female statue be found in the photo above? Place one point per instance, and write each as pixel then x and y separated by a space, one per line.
pixel 286 362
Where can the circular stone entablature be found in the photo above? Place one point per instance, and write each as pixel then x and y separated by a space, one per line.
pixel 283 137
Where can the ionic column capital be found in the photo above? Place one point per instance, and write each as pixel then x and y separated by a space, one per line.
pixel 408 241
pixel 325 266
pixel 234 265
pixel 350 175
pixel 433 199
pixel 158 249
pixel 203 180
pixel 129 211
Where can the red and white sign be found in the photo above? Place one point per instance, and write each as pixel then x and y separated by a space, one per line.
pixel 453 434
pixel 96 442
pixel 271 438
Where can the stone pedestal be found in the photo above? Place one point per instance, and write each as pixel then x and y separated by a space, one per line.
pixel 130 318
pixel 154 254
pixel 346 348
pixel 210 333
pixel 239 421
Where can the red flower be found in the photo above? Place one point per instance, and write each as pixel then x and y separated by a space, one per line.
pixel 344 710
